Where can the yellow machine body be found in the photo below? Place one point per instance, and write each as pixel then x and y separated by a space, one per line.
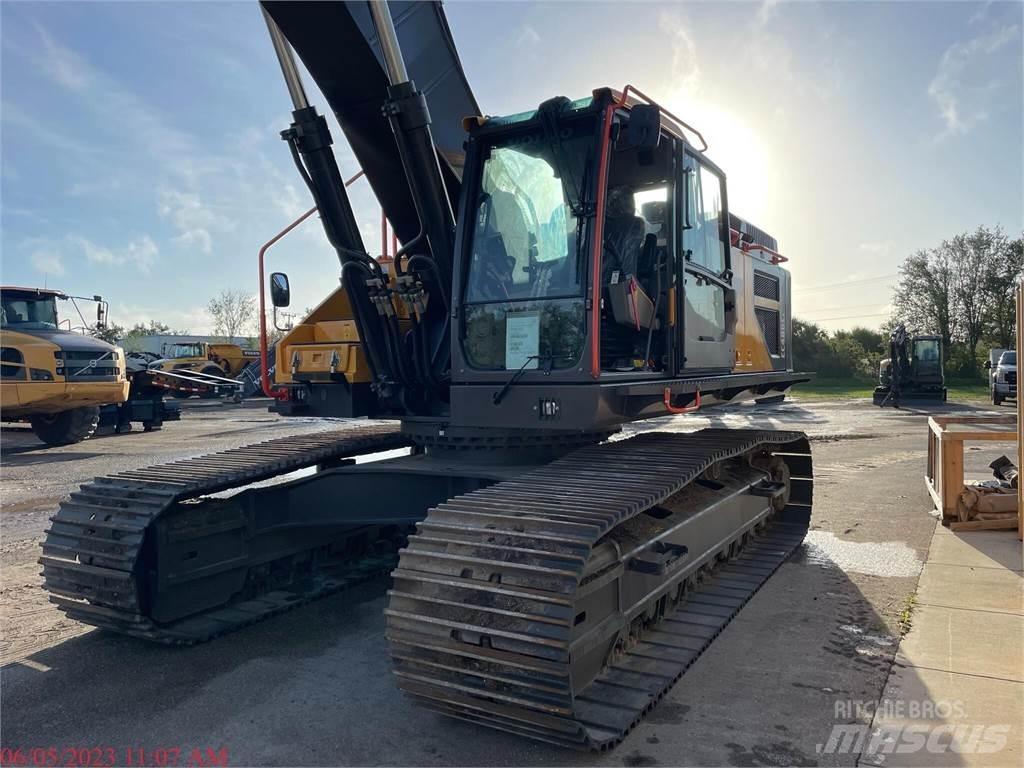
pixel 762 290
pixel 46 370
pixel 200 355
pixel 325 345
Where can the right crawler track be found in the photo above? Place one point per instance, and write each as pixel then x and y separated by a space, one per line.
pixel 482 618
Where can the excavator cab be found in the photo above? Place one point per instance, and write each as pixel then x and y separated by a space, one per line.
pixel 529 255
pixel 912 371
pixel 595 246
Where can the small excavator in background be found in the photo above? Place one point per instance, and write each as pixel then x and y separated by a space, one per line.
pixel 912 372
pixel 564 272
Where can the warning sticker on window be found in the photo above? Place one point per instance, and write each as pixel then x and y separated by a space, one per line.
pixel 522 340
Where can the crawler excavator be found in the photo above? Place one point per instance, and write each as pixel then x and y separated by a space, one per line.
pixel 564 272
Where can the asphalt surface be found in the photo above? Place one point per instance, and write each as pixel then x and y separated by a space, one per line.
pixel 313 687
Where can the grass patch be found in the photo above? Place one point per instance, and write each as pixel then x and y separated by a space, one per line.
pixel 834 389
pixel 969 391
pixel 906 616
pixel 853 389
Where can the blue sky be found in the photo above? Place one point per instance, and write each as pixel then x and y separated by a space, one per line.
pixel 140 155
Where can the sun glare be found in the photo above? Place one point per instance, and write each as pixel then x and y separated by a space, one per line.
pixel 734 144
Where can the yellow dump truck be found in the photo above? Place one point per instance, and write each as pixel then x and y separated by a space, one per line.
pixel 51 376
pixel 213 362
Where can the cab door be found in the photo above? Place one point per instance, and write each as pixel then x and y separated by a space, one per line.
pixel 708 299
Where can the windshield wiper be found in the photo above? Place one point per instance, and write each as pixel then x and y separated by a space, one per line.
pixel 549 361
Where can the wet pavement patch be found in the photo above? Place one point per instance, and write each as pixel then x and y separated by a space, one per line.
pixel 887 558
pixel 775 753
pixel 668 713
pixel 636 759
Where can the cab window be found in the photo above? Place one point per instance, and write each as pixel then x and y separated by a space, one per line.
pixel 704 239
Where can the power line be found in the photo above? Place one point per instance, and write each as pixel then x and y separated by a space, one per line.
pixel 845 284
pixel 849 306
pixel 848 317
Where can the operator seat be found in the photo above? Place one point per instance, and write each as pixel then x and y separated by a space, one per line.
pixel 655 213
pixel 623 235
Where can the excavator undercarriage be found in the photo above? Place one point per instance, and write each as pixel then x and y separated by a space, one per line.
pixel 558 599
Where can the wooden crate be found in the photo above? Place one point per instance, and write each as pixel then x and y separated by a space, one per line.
pixel 945 475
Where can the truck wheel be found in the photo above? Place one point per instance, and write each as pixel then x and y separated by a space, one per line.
pixel 211 391
pixel 66 427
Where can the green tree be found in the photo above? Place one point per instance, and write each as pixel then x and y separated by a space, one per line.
pixel 110 333
pixel 808 342
pixel 154 328
pixel 232 313
pixel 925 296
pixel 1001 276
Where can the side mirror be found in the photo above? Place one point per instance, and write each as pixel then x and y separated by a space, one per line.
pixel 280 291
pixel 644 127
pixel 101 312
pixel 988 365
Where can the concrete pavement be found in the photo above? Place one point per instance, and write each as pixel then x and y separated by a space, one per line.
pixel 812 650
pixel 955 695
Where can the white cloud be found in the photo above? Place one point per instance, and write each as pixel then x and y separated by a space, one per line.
pixel 192 219
pixel 106 186
pixel 63 65
pixel 876 248
pixel 981 14
pixel 766 10
pixel 140 252
pixel 137 122
pixel 685 73
pixel 196 239
pixel 527 36
pixel 96 254
pixel 966 80
pixel 195 320
pixel 48 262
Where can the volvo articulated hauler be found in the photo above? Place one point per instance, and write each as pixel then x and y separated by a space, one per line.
pixel 565 272
pixel 52 377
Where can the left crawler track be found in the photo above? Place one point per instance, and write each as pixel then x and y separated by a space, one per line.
pixel 99 570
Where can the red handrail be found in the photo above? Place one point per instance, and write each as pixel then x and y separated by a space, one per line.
pixel 686 408
pixel 624 100
pixel 268 390
pixel 777 258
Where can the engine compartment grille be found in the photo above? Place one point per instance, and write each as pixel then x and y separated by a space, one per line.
pixel 768 319
pixel 766 286
pixel 86 364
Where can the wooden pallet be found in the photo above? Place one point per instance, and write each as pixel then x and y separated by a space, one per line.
pixel 945 475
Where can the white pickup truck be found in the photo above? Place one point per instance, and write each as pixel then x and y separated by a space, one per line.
pixel 1003 377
